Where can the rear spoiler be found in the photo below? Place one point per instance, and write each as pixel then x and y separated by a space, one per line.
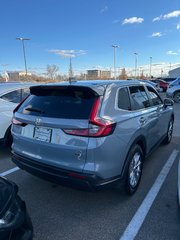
pixel 97 90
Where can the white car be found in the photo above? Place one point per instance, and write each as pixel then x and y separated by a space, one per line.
pixel 10 95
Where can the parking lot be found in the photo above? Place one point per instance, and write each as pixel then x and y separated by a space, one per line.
pixel 63 213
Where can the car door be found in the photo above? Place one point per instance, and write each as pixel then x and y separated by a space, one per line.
pixel 145 115
pixel 162 112
pixel 8 102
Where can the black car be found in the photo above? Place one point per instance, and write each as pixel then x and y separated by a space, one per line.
pixel 15 223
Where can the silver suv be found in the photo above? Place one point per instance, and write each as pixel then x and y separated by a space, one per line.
pixel 90 134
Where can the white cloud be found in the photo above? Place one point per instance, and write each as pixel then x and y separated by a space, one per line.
pixel 167 16
pixel 104 9
pixel 132 20
pixel 172 14
pixel 178 26
pixel 172 53
pixel 156 34
pixel 157 18
pixel 68 53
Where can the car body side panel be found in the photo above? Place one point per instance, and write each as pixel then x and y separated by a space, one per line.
pixel 112 150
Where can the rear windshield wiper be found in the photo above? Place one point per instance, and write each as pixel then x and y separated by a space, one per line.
pixel 34 110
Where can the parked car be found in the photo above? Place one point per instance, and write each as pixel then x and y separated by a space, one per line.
pixel 10 95
pixel 173 92
pixel 162 85
pixel 166 79
pixel 15 223
pixel 175 82
pixel 151 83
pixel 90 134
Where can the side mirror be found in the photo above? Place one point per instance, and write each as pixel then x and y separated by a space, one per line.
pixel 168 102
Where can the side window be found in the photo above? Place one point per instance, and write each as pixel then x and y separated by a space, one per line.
pixel 156 100
pixel 123 99
pixel 25 92
pixel 14 96
pixel 139 97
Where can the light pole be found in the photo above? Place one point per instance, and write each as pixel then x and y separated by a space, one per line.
pixel 150 66
pixel 22 40
pixel 115 46
pixel 135 54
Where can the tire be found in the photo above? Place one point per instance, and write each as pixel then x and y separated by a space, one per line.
pixel 177 97
pixel 135 160
pixel 169 133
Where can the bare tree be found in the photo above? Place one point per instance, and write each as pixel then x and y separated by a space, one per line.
pixel 52 71
pixel 123 74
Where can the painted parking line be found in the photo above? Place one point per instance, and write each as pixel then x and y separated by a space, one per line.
pixel 135 224
pixel 9 172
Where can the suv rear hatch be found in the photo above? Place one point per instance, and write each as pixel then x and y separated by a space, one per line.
pixel 54 123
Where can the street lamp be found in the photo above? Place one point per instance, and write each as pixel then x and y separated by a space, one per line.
pixel 135 54
pixel 115 46
pixel 150 66
pixel 22 40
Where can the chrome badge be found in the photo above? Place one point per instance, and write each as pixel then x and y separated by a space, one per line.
pixel 38 121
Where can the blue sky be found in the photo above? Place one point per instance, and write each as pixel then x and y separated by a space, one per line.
pixel 86 30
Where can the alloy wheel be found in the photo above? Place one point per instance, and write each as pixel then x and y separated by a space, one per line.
pixel 177 97
pixel 135 169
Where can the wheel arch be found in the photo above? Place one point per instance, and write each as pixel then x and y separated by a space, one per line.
pixel 141 141
pixel 177 91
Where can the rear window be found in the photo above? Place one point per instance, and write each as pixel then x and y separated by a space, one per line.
pixel 59 102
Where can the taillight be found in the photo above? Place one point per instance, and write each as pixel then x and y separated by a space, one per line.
pixel 98 127
pixel 17 122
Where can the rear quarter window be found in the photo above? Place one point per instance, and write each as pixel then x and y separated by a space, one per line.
pixel 123 100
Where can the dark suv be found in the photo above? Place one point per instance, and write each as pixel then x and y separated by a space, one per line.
pixel 90 133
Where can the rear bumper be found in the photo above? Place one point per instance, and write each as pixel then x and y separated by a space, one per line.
pixel 84 181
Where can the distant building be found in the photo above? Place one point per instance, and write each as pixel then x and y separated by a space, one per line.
pixel 98 74
pixel 93 74
pixel 15 75
pixel 105 74
pixel 174 73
